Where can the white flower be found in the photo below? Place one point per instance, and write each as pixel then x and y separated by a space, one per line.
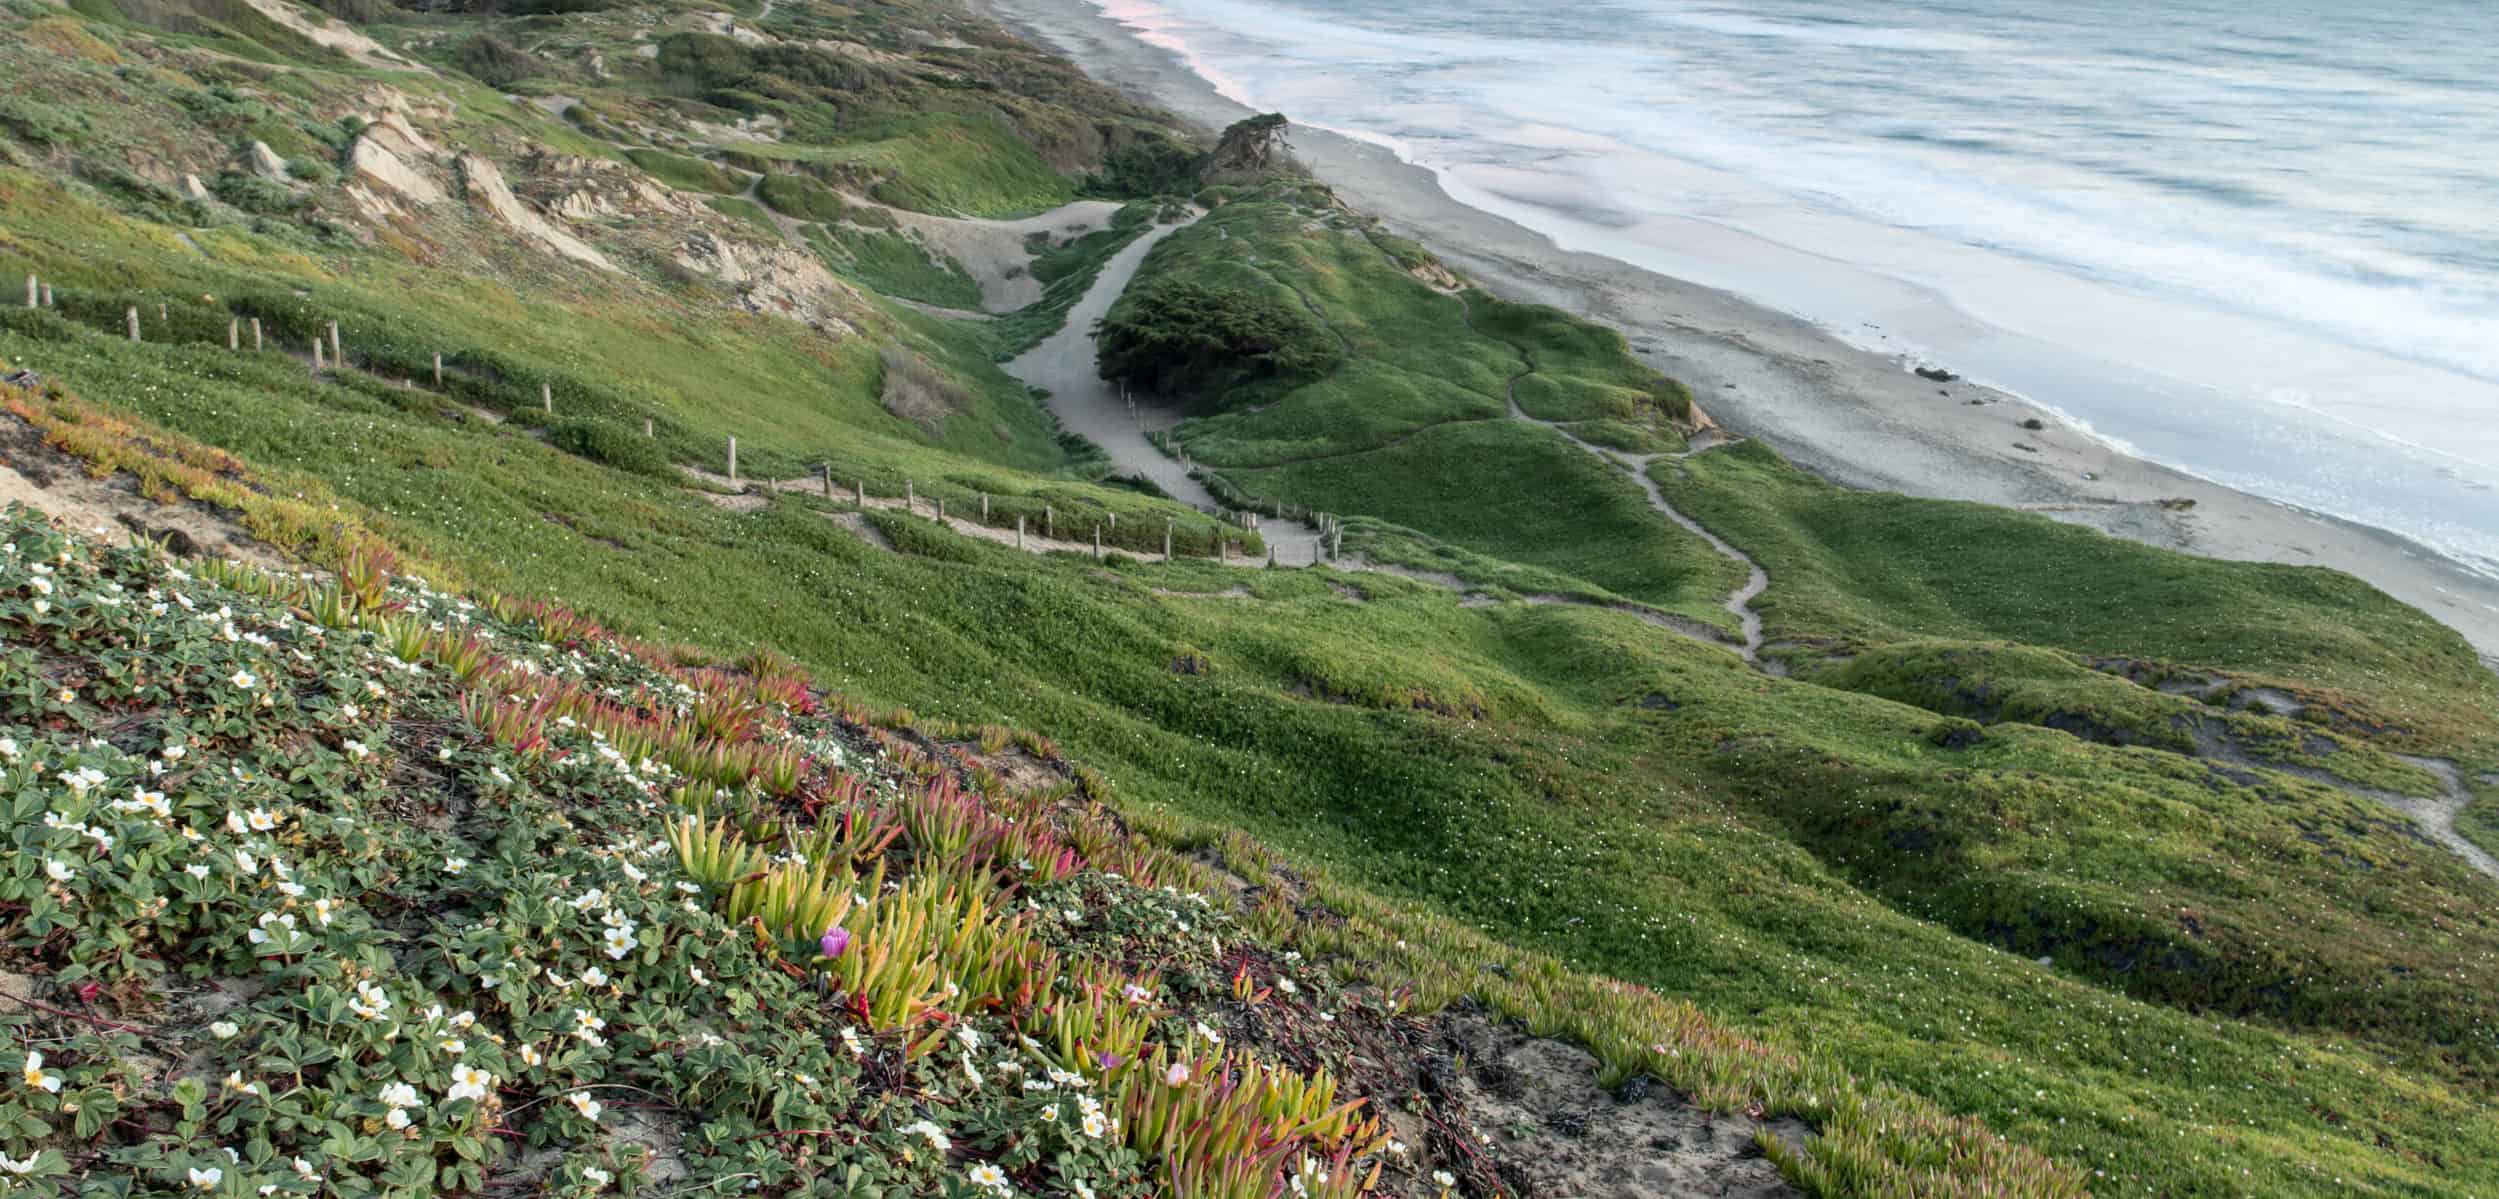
pixel 400 1094
pixel 696 972
pixel 224 1029
pixel 1083 1190
pixel 244 679
pixel 596 1177
pixel 303 1170
pixel 468 1082
pixel 371 1002
pixel 851 1041
pixel 356 749
pixel 619 943
pixel 14 1166
pixel 989 1177
pixel 455 865
pixel 936 1136
pixel 1210 1036
pixel 245 862
pixel 37 1077
pixel 1095 1125
pixel 58 870
pixel 594 977
pixel 397 1119
pixel 196 870
pixel 583 1103
pixel 530 1055
pixel 9 749
pixel 1444 1179
pixel 81 779
pixel 1286 985
pixel 235 1083
pixel 322 910
pixel 262 820
pixel 207 1179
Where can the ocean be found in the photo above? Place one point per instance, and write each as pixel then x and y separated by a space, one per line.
pixel 2258 243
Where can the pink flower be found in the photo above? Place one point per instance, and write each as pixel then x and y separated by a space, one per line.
pixel 835 941
pixel 1108 1060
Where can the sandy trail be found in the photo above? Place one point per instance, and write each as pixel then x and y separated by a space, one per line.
pixel 1063 366
pixel 1739 602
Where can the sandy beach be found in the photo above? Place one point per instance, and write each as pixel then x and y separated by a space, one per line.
pixel 1859 418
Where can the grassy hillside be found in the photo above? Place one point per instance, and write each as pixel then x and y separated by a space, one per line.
pixel 1823 896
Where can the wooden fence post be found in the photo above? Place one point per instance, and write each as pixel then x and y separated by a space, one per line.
pixel 132 319
pixel 317 363
pixel 546 400
pixel 47 295
pixel 255 335
pixel 438 377
pixel 909 497
pixel 647 430
pixel 1097 543
pixel 34 292
pixel 828 480
pixel 338 357
pixel 1166 539
pixel 1049 522
pixel 733 462
pixel 234 333
pixel 1019 532
pixel 984 507
pixel 160 312
pixel 941 509
pixel 859 493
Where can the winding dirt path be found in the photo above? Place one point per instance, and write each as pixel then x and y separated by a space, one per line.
pixel 1063 366
pixel 2437 817
pixel 1739 602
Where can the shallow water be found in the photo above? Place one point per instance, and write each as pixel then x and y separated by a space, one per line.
pixel 2258 243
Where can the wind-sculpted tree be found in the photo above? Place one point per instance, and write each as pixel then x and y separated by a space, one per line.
pixel 1251 145
pixel 1177 337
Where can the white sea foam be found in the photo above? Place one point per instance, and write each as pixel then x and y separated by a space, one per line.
pixel 2262 257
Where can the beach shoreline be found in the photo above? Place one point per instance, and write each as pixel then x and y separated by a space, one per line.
pixel 1855 416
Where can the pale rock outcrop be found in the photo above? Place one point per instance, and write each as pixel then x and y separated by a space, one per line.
pixel 485 185
pixel 775 281
pixel 265 162
pixel 371 162
pixel 192 187
pixel 727 24
pixel 337 35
